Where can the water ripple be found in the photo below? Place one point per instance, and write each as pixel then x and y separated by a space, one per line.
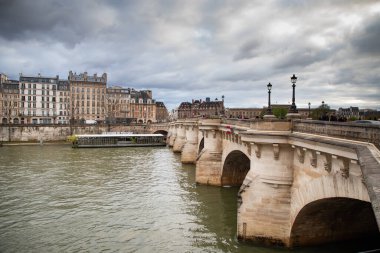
pixel 58 199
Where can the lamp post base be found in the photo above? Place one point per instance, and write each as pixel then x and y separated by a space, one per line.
pixel 269 116
pixel 292 115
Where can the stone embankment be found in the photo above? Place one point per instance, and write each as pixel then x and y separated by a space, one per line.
pixel 53 133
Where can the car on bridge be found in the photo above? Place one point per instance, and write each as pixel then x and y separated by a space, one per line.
pixel 371 122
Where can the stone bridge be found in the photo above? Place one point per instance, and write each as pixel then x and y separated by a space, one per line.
pixel 301 182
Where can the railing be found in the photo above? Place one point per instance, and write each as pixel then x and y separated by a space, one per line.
pixel 353 131
pixel 237 122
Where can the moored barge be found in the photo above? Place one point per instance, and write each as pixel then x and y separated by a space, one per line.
pixel 109 140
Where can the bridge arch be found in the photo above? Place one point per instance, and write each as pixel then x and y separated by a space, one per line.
pixel 235 168
pixel 201 145
pixel 163 132
pixel 333 219
pixel 330 208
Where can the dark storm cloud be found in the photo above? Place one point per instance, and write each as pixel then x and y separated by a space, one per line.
pixel 192 49
pixel 367 39
pixel 68 22
pixel 248 50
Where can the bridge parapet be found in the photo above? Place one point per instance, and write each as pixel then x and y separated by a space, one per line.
pixel 352 131
pixel 259 124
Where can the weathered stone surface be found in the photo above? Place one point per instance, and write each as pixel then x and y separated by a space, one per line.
pixel 37 133
pixel 288 173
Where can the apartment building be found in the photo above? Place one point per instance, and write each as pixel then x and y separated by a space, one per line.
pixel 142 106
pixel 199 108
pixel 63 102
pixel 118 104
pixel 38 99
pixel 88 97
pixel 9 101
pixel 49 100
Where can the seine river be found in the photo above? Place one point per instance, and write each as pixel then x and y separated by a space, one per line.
pixel 59 199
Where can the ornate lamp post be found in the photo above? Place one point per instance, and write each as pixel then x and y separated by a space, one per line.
pixel 293 107
pixel 269 115
pixel 269 111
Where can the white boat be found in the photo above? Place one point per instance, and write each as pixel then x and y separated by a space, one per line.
pixel 106 140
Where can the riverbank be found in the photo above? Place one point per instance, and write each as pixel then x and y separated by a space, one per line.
pixel 59 133
pixel 33 143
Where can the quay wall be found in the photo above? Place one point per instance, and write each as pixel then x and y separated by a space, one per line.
pixel 37 133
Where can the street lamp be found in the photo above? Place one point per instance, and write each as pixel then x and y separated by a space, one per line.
pixel 269 111
pixel 293 107
pixel 309 109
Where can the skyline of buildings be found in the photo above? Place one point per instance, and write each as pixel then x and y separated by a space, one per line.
pixel 50 100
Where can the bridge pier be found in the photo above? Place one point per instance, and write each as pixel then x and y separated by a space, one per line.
pixel 190 149
pixel 172 135
pixel 208 167
pixel 264 211
pixel 180 138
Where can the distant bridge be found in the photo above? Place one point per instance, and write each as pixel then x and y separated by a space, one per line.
pixel 301 182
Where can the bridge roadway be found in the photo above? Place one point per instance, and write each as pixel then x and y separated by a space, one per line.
pixel 301 182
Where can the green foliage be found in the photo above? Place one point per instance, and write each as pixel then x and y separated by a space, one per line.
pixel 72 138
pixel 353 118
pixel 321 112
pixel 280 113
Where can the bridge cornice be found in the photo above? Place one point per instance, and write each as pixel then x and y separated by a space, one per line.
pixel 265 137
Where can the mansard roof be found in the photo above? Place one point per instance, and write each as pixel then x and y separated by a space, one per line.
pixel 84 77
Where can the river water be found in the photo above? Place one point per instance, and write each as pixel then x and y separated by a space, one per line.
pixel 59 199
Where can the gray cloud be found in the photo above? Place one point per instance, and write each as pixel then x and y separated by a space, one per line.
pixel 366 41
pixel 193 49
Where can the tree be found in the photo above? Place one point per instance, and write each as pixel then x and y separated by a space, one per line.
pixel 321 112
pixel 280 113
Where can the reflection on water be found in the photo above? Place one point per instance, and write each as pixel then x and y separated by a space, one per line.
pixel 58 199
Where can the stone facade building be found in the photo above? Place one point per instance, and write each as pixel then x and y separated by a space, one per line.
pixel 243 113
pixel 38 99
pixel 162 114
pixel 63 102
pixel 348 112
pixel 118 104
pixel 88 96
pixel 143 106
pixel 49 100
pixel 199 108
pixel 9 101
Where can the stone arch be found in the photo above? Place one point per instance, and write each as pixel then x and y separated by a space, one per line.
pixel 201 145
pixel 235 168
pixel 333 219
pixel 163 132
pixel 4 121
pixel 322 206
pixel 16 121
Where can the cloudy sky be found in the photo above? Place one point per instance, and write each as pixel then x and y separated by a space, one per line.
pixel 199 48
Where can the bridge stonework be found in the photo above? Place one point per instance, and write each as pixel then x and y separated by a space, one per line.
pixel 296 188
